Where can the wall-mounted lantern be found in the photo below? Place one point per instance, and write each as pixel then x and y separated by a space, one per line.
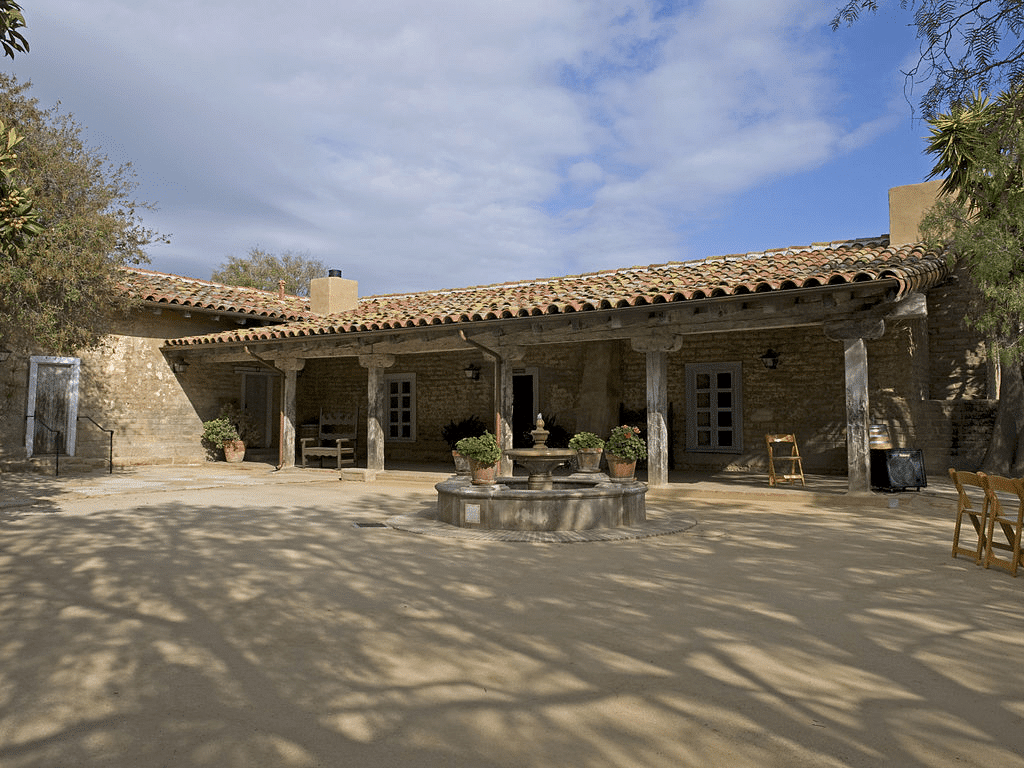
pixel 770 359
pixel 179 365
pixel 472 372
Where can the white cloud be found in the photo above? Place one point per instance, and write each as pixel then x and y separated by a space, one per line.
pixel 438 144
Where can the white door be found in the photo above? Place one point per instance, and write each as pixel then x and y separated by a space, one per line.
pixel 52 406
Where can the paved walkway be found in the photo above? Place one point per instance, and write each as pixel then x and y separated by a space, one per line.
pixel 196 617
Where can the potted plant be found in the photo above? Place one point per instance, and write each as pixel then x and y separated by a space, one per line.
pixel 454 431
pixel 588 447
pixel 221 433
pixel 623 449
pixel 232 430
pixel 483 454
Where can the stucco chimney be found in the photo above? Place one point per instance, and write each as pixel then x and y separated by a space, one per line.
pixel 907 206
pixel 332 294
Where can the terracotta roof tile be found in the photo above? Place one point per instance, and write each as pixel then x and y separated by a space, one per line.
pixel 161 288
pixel 785 269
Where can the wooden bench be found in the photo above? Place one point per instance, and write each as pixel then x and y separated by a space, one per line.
pixel 336 439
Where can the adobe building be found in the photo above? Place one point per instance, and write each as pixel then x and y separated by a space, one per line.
pixel 707 355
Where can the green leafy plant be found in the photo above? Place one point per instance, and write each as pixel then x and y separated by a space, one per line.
pixel 626 443
pixel 586 441
pixel 483 449
pixel 454 431
pixel 244 424
pixel 218 431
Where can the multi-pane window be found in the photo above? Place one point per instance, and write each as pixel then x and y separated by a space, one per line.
pixel 401 407
pixel 714 416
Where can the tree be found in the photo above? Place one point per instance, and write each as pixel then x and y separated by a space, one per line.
pixel 57 288
pixel 19 220
pixel 11 20
pixel 979 222
pixel 965 46
pixel 264 270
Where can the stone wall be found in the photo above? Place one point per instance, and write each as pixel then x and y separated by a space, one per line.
pixel 805 394
pixel 127 385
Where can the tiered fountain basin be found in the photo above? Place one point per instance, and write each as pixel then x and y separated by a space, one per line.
pixel 575 503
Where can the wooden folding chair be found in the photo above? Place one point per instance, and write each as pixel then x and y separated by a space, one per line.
pixel 791 473
pixel 1009 522
pixel 977 516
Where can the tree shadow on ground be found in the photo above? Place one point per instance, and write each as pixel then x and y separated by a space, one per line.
pixel 267 629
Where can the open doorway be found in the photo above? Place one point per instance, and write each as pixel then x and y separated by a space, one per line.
pixel 524 406
pixel 258 402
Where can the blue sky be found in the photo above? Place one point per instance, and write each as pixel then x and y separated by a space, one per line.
pixel 429 145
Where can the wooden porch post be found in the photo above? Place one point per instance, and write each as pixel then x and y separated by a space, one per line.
pixel 291 368
pixel 657 347
pixel 855 356
pixel 376 411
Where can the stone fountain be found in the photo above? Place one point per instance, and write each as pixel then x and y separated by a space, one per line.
pixel 540 460
pixel 542 502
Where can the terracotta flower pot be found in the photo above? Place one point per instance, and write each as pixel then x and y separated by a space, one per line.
pixel 483 474
pixel 234 451
pixel 620 470
pixel 589 459
pixel 461 463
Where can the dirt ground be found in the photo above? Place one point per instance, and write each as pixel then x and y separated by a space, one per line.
pixel 257 625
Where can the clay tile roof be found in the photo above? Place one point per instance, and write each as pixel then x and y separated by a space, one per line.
pixel 785 269
pixel 160 288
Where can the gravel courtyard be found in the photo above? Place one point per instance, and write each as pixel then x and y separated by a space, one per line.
pixel 253 623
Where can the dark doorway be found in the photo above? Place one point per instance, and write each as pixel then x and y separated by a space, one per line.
pixel 523 413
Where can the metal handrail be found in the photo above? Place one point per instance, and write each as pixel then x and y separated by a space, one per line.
pixel 56 445
pixel 110 435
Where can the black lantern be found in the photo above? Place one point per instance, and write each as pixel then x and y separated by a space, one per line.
pixel 770 359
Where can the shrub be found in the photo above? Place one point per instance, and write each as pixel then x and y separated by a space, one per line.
pixel 626 443
pixel 454 431
pixel 483 449
pixel 586 441
pixel 218 431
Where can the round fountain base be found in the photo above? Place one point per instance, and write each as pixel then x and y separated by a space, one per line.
pixel 575 503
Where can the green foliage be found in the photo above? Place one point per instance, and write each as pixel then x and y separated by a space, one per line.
pixel 626 443
pixel 483 449
pixel 18 218
pixel 965 46
pixel 244 424
pixel 264 270
pixel 218 431
pixel 11 20
pixel 980 222
pixel 59 288
pixel 586 441
pixel 454 431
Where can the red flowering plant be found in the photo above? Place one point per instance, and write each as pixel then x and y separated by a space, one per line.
pixel 626 443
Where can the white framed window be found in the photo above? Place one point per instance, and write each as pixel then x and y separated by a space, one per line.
pixel 401 407
pixel 714 407
pixel 52 414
